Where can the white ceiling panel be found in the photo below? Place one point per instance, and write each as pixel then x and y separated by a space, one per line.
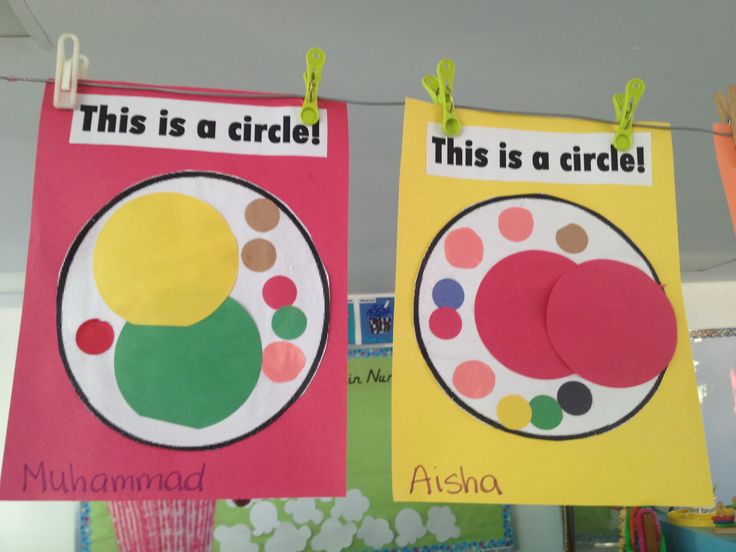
pixel 10 26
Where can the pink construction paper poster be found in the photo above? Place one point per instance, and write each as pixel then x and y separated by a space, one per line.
pixel 183 330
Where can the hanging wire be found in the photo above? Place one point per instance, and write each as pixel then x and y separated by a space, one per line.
pixel 368 103
pixel 362 103
pixel 707 268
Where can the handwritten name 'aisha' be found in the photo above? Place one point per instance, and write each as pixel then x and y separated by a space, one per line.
pixel 454 483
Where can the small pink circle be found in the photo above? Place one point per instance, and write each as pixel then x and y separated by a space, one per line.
pixel 463 248
pixel 279 291
pixel 474 379
pixel 445 323
pixel 516 223
pixel 94 336
pixel 282 361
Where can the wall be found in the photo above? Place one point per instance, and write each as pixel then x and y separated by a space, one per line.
pixel 710 304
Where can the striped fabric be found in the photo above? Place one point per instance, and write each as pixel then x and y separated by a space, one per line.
pixel 163 525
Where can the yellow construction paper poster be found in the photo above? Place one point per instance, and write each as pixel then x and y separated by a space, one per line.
pixel 541 350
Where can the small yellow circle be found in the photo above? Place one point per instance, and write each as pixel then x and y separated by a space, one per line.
pixel 165 259
pixel 514 412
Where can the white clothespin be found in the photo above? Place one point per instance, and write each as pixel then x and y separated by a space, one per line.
pixel 68 72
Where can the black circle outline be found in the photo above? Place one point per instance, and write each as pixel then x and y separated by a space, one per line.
pixel 193 174
pixel 435 372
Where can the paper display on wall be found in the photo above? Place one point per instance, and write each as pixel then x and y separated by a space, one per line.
pixel 541 351
pixel 726 157
pixel 178 319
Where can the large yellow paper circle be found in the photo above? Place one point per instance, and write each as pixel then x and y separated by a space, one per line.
pixel 165 259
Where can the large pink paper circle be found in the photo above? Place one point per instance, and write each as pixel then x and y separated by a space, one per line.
pixel 511 311
pixel 611 323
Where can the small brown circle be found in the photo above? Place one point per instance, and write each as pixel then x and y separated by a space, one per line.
pixel 258 255
pixel 262 215
pixel 572 238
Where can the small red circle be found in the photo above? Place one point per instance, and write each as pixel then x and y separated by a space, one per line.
pixel 445 323
pixel 95 336
pixel 279 291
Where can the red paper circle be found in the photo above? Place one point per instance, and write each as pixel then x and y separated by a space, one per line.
pixel 511 308
pixel 279 291
pixel 95 336
pixel 611 323
pixel 445 323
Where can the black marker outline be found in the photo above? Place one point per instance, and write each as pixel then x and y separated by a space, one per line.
pixel 193 174
pixel 435 372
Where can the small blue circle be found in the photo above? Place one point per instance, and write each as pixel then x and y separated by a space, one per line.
pixel 448 293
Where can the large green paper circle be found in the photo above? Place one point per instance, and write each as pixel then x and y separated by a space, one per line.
pixel 194 375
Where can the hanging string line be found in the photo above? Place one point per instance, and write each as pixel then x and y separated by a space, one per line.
pixel 366 103
pixel 711 267
pixel 362 103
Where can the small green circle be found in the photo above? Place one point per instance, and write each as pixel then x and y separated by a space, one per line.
pixel 289 322
pixel 546 412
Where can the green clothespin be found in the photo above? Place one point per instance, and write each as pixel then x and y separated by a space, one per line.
pixel 312 77
pixel 625 107
pixel 440 89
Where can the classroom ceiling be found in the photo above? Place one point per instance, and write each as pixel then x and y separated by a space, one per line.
pixel 557 56
pixel 10 25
